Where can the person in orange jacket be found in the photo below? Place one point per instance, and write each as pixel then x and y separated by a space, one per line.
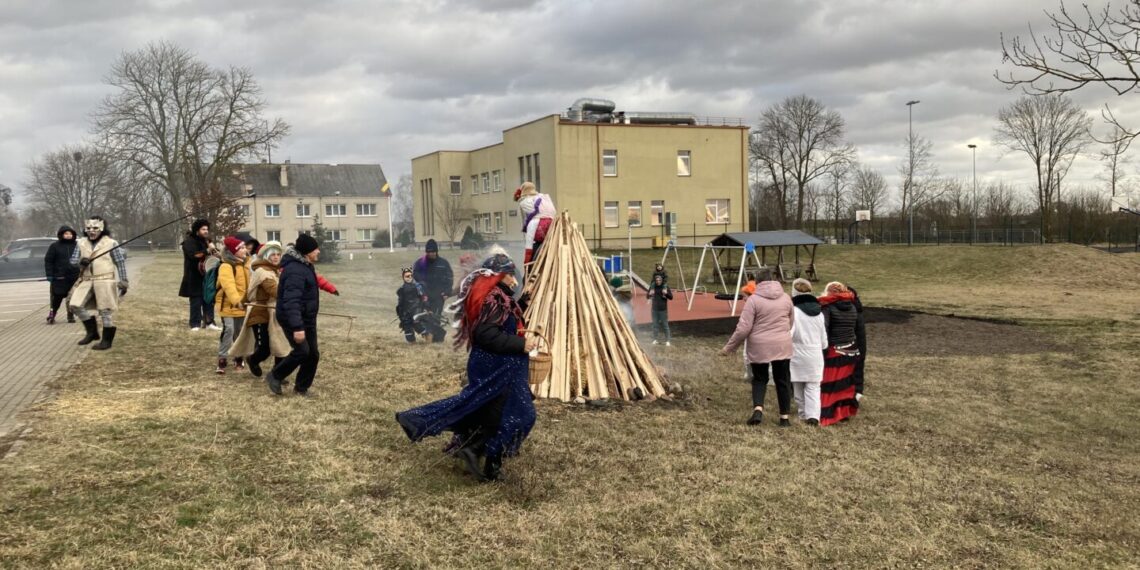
pixel 326 285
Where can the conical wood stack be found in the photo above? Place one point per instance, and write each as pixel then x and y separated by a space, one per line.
pixel 595 353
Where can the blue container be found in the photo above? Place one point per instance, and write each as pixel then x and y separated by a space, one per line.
pixel 607 266
pixel 617 263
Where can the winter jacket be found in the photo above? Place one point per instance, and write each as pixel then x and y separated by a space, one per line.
pixel 326 285
pixel 860 323
pixel 194 250
pixel 410 300
pixel 233 282
pixel 664 276
pixel 842 319
pixel 262 291
pixel 809 339
pixel 297 293
pixel 57 262
pixel 766 323
pixel 748 288
pixel 435 276
pixel 661 295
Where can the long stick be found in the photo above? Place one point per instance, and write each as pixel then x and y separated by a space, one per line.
pixel 174 221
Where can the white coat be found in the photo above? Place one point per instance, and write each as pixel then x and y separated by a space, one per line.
pixel 809 339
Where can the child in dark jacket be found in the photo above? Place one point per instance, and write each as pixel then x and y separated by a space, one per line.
pixel 410 301
pixel 660 293
pixel 660 270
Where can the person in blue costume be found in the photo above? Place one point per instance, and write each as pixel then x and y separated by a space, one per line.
pixel 494 413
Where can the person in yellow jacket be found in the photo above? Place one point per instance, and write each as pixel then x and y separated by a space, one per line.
pixel 262 336
pixel 233 281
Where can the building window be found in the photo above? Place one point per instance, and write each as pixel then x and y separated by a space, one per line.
pixel 456 185
pixel 611 214
pixel 366 235
pixel 366 209
pixel 273 210
pixel 657 212
pixel 609 162
pixel 634 214
pixel 243 209
pixel 497 180
pixel 428 200
pixel 498 222
pixel 486 223
pixel 537 174
pixel 529 168
pixel 273 235
pixel 336 235
pixel 303 211
pixel 522 173
pixel 475 184
pixel 716 211
pixel 684 163
pixel 486 182
pixel 336 210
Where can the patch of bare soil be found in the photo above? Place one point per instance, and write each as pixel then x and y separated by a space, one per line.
pixel 895 332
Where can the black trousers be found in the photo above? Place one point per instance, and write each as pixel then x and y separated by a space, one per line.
pixel 305 355
pixel 57 300
pixel 435 303
pixel 782 374
pixel 262 352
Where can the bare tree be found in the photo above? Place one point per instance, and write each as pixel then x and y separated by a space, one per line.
pixel 835 194
pixel 798 141
pixel 1051 130
pixel 868 190
pixel 403 211
pixel 75 182
pixel 182 122
pixel 1001 202
pixel 450 212
pixel 919 177
pixel 1114 159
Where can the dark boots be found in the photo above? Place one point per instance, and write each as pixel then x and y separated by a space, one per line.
pixel 70 316
pixel 92 332
pixel 51 317
pixel 108 338
pixel 492 466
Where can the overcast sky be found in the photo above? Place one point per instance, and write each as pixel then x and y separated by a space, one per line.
pixel 383 81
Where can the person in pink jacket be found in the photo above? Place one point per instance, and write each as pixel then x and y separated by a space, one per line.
pixel 766 323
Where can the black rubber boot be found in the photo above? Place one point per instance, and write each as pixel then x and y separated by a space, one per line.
pixel 492 467
pixel 274 383
pixel 92 332
pixel 70 316
pixel 254 368
pixel 108 338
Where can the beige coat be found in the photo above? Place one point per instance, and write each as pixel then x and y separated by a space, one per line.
pixel 98 285
pixel 246 341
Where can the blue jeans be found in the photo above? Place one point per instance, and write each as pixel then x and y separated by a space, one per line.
pixel 200 312
pixel 661 324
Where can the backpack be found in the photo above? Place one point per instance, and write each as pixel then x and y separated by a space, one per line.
pixel 210 281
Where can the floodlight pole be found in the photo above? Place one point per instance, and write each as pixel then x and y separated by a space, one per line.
pixel 974 150
pixel 910 172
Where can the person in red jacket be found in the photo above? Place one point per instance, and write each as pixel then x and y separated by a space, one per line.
pixel 326 285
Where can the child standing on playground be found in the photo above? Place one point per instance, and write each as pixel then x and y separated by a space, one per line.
pixel 660 294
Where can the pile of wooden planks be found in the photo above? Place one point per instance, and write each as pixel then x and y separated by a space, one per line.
pixel 595 353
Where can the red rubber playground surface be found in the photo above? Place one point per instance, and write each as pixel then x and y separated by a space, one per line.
pixel 705 306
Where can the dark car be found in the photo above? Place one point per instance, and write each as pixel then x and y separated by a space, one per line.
pixel 23 263
pixel 27 242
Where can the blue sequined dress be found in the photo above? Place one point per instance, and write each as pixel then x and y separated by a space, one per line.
pixel 496 400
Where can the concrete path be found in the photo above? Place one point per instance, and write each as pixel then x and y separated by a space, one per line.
pixel 33 353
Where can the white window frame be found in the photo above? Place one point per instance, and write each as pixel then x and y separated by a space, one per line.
pixel 610 155
pixel 244 210
pixel 657 212
pixel 721 212
pixel 304 211
pixel 629 210
pixel 336 235
pixel 455 184
pixel 610 211
pixel 371 235
pixel 270 237
pixel 341 211
pixel 497 180
pixel 275 212
pixel 498 222
pixel 684 163
pixel 366 210
pixel 486 182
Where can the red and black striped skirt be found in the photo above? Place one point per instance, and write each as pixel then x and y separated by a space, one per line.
pixel 837 391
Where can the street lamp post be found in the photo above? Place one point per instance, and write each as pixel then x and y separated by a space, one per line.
pixel 338 216
pixel 910 171
pixel 391 239
pixel 974 151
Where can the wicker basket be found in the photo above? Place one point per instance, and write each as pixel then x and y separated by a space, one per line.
pixel 540 363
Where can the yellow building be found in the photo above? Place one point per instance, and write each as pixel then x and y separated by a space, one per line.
pixel 618 174
pixel 351 201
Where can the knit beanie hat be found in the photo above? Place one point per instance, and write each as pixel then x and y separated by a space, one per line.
pixel 431 246
pixel 232 244
pixel 269 248
pixel 499 263
pixel 305 244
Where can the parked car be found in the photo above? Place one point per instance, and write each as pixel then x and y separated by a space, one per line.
pixel 23 263
pixel 27 242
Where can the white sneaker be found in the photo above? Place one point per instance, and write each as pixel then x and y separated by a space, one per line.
pixel 858 397
pixel 667 343
pixel 195 329
pixel 213 327
pixel 655 343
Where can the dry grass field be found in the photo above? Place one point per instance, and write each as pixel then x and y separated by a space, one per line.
pixel 1005 440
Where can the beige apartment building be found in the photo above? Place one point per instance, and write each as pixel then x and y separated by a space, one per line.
pixel 352 200
pixel 618 174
